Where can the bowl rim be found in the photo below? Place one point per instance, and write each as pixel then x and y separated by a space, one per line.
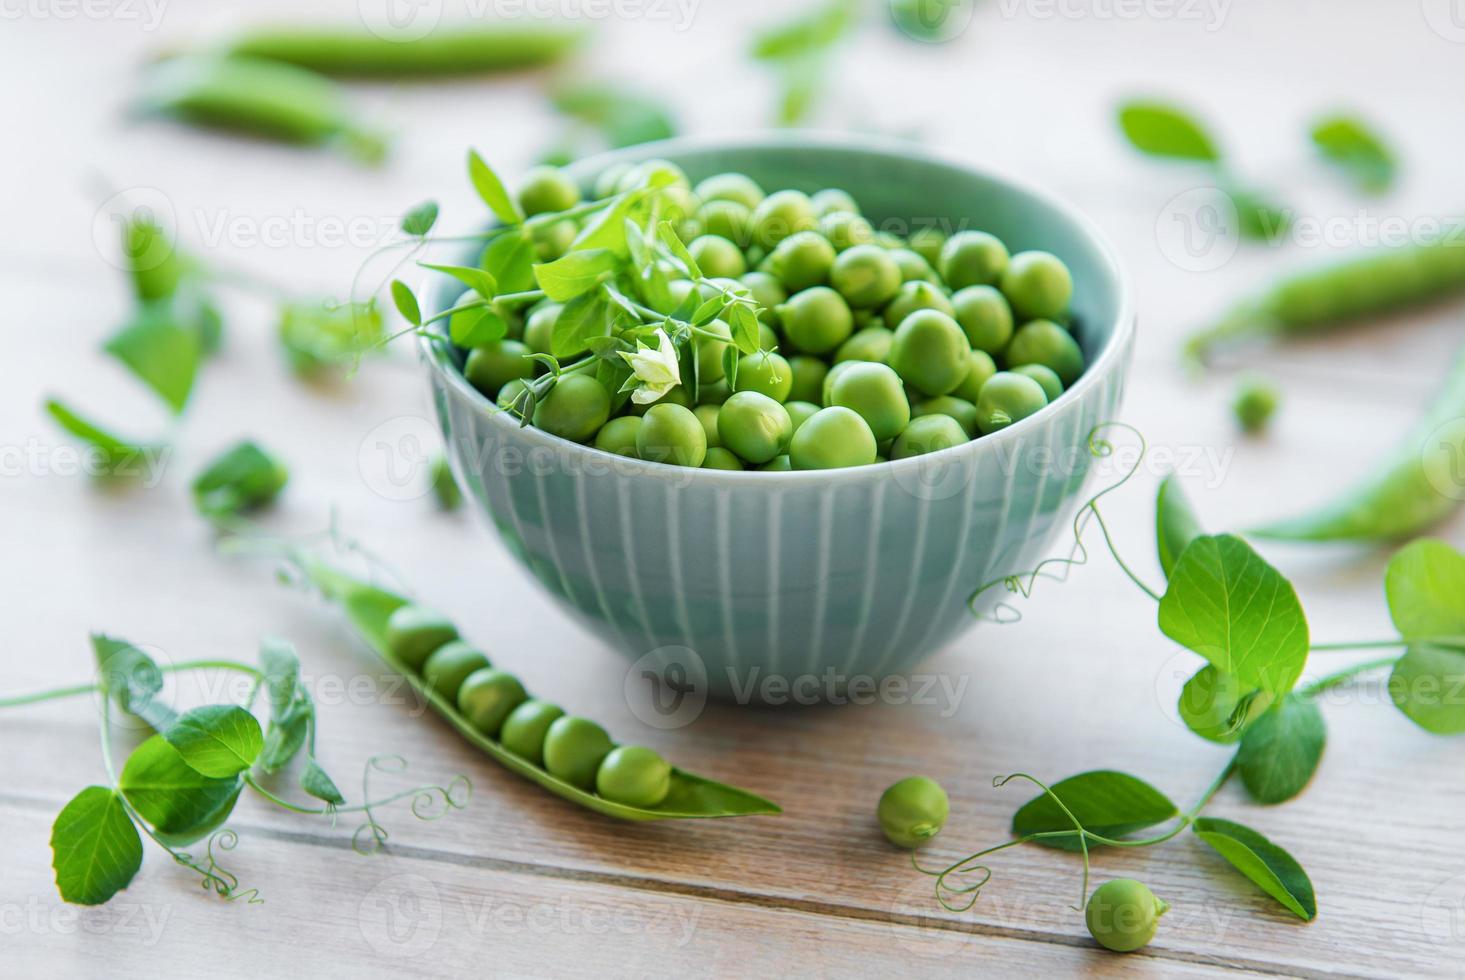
pixel 432 347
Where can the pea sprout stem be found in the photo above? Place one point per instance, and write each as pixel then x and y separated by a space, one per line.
pixel 1333 680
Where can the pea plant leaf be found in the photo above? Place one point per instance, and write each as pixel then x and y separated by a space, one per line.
pixel 291 707
pixel 131 679
pixel 1428 686
pixel 1175 522
pixel 477 327
pixel 1425 587
pixel 313 780
pixel 814 31
pixel 1166 131
pixel 316 336
pixel 582 318
pixel 1281 750
pixel 1353 147
pixel 217 740
pixel 1216 706
pixel 181 803
pixel 509 258
pixel 480 281
pixel 162 353
pixel 118 456
pixel 95 848
pixel 744 324
pixel 622 117
pixel 1227 604
pixel 406 302
pixel 244 477
pixel 673 242
pixel 575 273
pixel 1257 216
pixel 492 191
pixel 1271 868
pixel 1108 803
pixel 419 220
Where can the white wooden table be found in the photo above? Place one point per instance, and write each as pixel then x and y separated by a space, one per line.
pixel 523 884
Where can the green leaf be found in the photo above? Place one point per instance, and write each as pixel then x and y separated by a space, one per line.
pixel 1108 803
pixel 180 802
pixel 623 117
pixel 581 319
pixel 419 220
pixel 611 227
pixel 673 242
pixel 162 353
pixel 1281 750
pixel 131 679
pixel 477 327
pixel 800 82
pixel 1425 586
pixel 577 272
pixel 1175 522
pixel 510 259
pixel 478 280
pixel 313 780
pixel 243 477
pixel 95 848
pixel 1428 685
pixel 217 740
pixel 1231 607
pixel 291 708
pixel 119 456
pixel 320 335
pixel 814 31
pixel 406 303
pixel 744 324
pixel 1270 867
pixel 1350 144
pixel 156 265
pixel 1258 218
pixel 491 190
pixel 1166 131
pixel 1217 707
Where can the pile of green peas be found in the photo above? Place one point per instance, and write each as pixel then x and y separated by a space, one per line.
pixel 873 346
pixel 494 702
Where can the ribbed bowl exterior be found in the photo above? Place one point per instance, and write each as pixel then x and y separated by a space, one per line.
pixel 834 575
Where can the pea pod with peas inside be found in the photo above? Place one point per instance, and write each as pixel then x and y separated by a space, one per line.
pixel 571 757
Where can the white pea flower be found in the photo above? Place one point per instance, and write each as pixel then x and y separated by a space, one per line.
pixel 656 369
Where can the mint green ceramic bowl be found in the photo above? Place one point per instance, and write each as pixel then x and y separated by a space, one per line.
pixel 816 579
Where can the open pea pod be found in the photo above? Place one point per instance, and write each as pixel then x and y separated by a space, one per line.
pixel 368 608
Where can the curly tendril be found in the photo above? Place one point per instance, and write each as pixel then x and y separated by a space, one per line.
pixel 428 802
pixel 1023 583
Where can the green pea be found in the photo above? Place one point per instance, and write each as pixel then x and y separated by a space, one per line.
pixel 816 320
pixel 914 267
pixel 929 352
pixel 449 665
pixel 539 328
pixel 781 214
pixel 868 344
pixel 984 314
pixel 609 179
pixel 960 409
pixel 972 258
pixel 671 434
pixel 767 339
pixel 866 276
pixel 707 415
pixel 718 257
pixel 1123 915
pixel 547 189
pixel 929 434
pixel 808 373
pixel 713 394
pixel 912 811
pixel 575 408
pixel 414 632
pixel 839 368
pixel 619 435
pixel 641 174
pixel 525 729
pixel 831 200
pixel 554 240
pixel 486 698
pixel 926 242
pixel 980 367
pixel 832 438
pixel 766 373
pixel 754 426
pixel 799 412
pixel 494 365
pixel 739 188
pixel 778 464
pixel 1052 385
pixel 1045 342
pixel 801 260
pixel 913 296
pixel 1255 402
pixel 718 458
pixel 875 392
pixel 768 292
pixel 574 749
pixel 1038 285
pixel 710 351
pixel 634 776
pixel 726 219
pixel 845 230
pixel 1007 398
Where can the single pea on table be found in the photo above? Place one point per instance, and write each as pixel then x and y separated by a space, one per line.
pixel 772 330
